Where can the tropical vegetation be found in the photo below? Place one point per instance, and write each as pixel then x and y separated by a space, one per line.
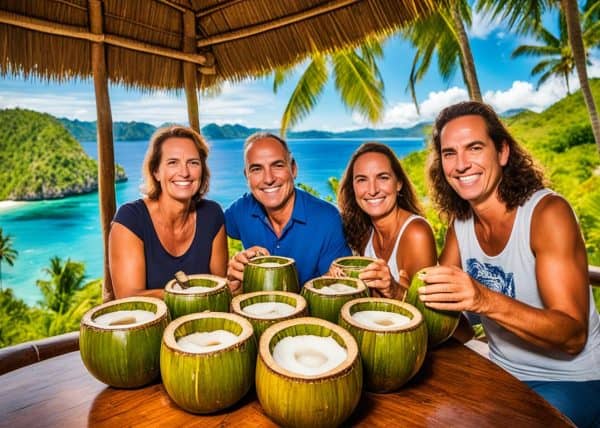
pixel 66 297
pixel 53 165
pixel 7 253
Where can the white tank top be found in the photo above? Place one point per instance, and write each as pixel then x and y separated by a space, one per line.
pixel 393 261
pixel 512 273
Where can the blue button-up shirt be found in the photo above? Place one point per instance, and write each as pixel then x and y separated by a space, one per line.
pixel 313 236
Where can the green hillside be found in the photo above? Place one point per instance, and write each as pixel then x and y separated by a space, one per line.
pixel 561 141
pixel 41 160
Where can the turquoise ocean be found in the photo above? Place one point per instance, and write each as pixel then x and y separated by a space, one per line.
pixel 70 227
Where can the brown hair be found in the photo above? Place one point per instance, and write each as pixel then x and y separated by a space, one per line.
pixel 357 223
pixel 151 186
pixel 520 176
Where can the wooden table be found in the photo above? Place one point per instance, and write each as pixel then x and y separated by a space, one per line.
pixel 455 387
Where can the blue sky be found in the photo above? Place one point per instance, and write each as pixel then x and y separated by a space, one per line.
pixel 505 83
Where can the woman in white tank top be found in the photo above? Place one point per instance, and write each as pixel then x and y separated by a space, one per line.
pixel 382 219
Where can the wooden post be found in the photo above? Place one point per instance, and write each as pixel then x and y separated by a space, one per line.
pixel 190 71
pixel 106 156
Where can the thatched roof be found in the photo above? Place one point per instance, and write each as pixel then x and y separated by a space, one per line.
pixel 145 39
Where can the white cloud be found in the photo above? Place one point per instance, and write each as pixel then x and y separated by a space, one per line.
pixel 404 114
pixel 482 25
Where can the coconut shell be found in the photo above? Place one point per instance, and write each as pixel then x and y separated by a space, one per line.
pixel 440 324
pixel 352 265
pixel 291 399
pixel 181 303
pixel 260 324
pixel 390 357
pixel 119 355
pixel 283 277
pixel 209 381
pixel 327 306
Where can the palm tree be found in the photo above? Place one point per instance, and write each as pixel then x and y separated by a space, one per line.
pixel 65 279
pixel 356 77
pixel 557 57
pixel 525 15
pixel 7 253
pixel 449 41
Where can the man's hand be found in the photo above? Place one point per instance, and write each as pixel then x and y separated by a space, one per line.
pixel 235 267
pixel 452 289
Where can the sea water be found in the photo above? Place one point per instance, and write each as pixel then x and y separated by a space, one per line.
pixel 70 227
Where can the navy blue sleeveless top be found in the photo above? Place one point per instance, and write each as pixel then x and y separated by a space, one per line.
pixel 160 265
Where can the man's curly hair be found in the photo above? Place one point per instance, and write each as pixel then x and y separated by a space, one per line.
pixel 521 177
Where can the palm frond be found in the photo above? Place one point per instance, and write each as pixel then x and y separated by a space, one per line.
pixel 306 94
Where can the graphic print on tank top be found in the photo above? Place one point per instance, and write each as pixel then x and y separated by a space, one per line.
pixel 492 276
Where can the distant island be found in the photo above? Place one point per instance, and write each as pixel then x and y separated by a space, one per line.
pixel 41 160
pixel 135 131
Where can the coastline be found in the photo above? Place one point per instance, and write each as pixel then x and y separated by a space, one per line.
pixel 8 205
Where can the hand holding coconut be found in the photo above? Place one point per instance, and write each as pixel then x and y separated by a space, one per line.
pixel 449 288
pixel 378 278
pixel 235 268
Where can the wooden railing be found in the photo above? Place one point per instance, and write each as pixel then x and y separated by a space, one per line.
pixel 17 356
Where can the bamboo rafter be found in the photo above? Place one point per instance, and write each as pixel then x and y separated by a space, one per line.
pixel 76 32
pixel 274 24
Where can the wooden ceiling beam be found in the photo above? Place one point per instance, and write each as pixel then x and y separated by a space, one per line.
pixel 253 30
pixel 76 32
pixel 216 8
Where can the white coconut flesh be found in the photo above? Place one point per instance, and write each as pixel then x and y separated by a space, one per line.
pixel 193 290
pixel 269 309
pixel 337 288
pixel 269 264
pixel 380 319
pixel 309 355
pixel 124 318
pixel 207 341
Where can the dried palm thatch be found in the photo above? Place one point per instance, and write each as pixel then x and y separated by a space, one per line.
pixel 146 40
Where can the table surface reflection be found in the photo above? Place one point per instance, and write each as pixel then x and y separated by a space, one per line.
pixel 455 387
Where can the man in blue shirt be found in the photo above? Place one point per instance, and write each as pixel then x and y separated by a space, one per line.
pixel 279 219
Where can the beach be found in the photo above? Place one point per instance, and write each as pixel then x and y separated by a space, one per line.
pixel 8 205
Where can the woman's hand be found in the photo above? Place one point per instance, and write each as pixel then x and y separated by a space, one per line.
pixel 378 277
pixel 235 267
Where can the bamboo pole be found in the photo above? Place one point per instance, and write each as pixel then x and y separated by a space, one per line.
pixel 190 71
pixel 76 32
pixel 106 157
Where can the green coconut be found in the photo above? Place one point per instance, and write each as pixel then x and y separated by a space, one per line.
pixel 391 354
pixel 208 380
pixel 261 322
pixel 182 302
pixel 352 265
pixel 327 305
pixel 124 352
pixel 270 273
pixel 440 324
pixel 297 400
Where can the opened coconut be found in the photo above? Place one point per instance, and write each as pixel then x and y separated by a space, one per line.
pixel 308 373
pixel 440 324
pixel 326 295
pixel 352 265
pixel 270 273
pixel 392 338
pixel 265 308
pixel 207 360
pixel 119 341
pixel 203 292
